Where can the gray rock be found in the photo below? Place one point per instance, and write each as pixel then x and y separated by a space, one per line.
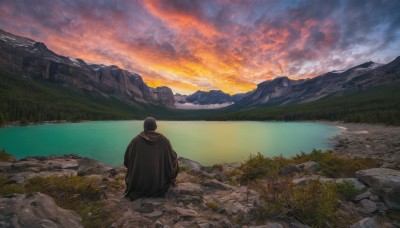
pixel 365 223
pixel 28 165
pixel 357 184
pixel 146 208
pixel 217 185
pixel 36 210
pixel 310 166
pixel 154 214
pixel 189 164
pixel 158 224
pixel 88 166
pixel 306 179
pixel 204 225
pixel 384 183
pixel 381 206
pixel 129 219
pixel 187 189
pixel 20 178
pixel 362 196
pixel 368 205
pixel 375 198
pixel 185 212
pixel 269 225
pixel 5 166
pixel 289 170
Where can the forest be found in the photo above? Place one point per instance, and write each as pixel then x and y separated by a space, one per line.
pixel 24 100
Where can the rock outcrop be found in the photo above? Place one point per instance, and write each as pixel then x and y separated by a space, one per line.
pixel 204 196
pixel 36 210
pixel 384 183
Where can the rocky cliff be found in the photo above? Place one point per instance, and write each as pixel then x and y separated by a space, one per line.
pixel 283 90
pixel 34 60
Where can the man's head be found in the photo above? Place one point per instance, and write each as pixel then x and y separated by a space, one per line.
pixel 150 124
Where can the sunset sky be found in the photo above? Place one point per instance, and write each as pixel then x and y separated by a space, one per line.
pixel 193 45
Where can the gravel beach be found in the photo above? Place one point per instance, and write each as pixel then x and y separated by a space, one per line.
pixel 366 140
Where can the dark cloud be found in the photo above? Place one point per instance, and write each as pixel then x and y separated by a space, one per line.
pixel 228 44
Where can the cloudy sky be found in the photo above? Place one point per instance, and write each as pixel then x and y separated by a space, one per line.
pixel 192 45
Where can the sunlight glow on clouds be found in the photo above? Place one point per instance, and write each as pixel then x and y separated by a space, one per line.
pixel 192 45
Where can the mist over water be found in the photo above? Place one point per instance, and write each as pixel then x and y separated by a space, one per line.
pixel 203 141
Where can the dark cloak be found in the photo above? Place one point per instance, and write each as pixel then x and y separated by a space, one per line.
pixel 152 165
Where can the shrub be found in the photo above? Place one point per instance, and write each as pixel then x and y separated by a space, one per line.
pixel 6 189
pixel 116 184
pixel 336 166
pixel 212 205
pixel 313 204
pixel 259 166
pixel 347 190
pixel 6 157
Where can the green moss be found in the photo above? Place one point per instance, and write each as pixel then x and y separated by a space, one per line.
pixel 6 157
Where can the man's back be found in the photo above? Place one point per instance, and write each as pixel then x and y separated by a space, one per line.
pixel 151 163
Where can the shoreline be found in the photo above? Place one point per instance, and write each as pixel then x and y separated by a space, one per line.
pixel 375 141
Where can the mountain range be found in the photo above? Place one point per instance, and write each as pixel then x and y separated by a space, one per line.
pixel 34 61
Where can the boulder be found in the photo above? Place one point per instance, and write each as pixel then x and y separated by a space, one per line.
pixel 364 195
pixel 365 223
pixel 310 166
pixel 357 184
pixel 368 205
pixel 36 210
pixel 189 164
pixel 384 183
pixel 88 166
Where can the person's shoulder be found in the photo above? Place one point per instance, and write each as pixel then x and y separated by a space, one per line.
pixel 135 139
pixel 164 138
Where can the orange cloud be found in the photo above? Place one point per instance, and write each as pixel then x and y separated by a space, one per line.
pixel 199 45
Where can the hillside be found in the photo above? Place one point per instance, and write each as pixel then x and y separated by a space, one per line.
pixel 27 100
pixel 375 105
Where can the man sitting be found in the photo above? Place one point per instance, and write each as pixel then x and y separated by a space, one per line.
pixel 151 162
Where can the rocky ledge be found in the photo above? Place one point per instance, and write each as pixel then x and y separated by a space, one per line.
pixel 203 197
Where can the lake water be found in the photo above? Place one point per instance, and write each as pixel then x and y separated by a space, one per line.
pixel 203 141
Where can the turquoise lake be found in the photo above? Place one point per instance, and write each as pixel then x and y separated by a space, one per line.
pixel 203 141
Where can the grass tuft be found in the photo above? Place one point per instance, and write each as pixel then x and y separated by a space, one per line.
pixel 6 157
pixel 313 204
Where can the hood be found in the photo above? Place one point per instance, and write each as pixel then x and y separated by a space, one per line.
pixel 150 136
